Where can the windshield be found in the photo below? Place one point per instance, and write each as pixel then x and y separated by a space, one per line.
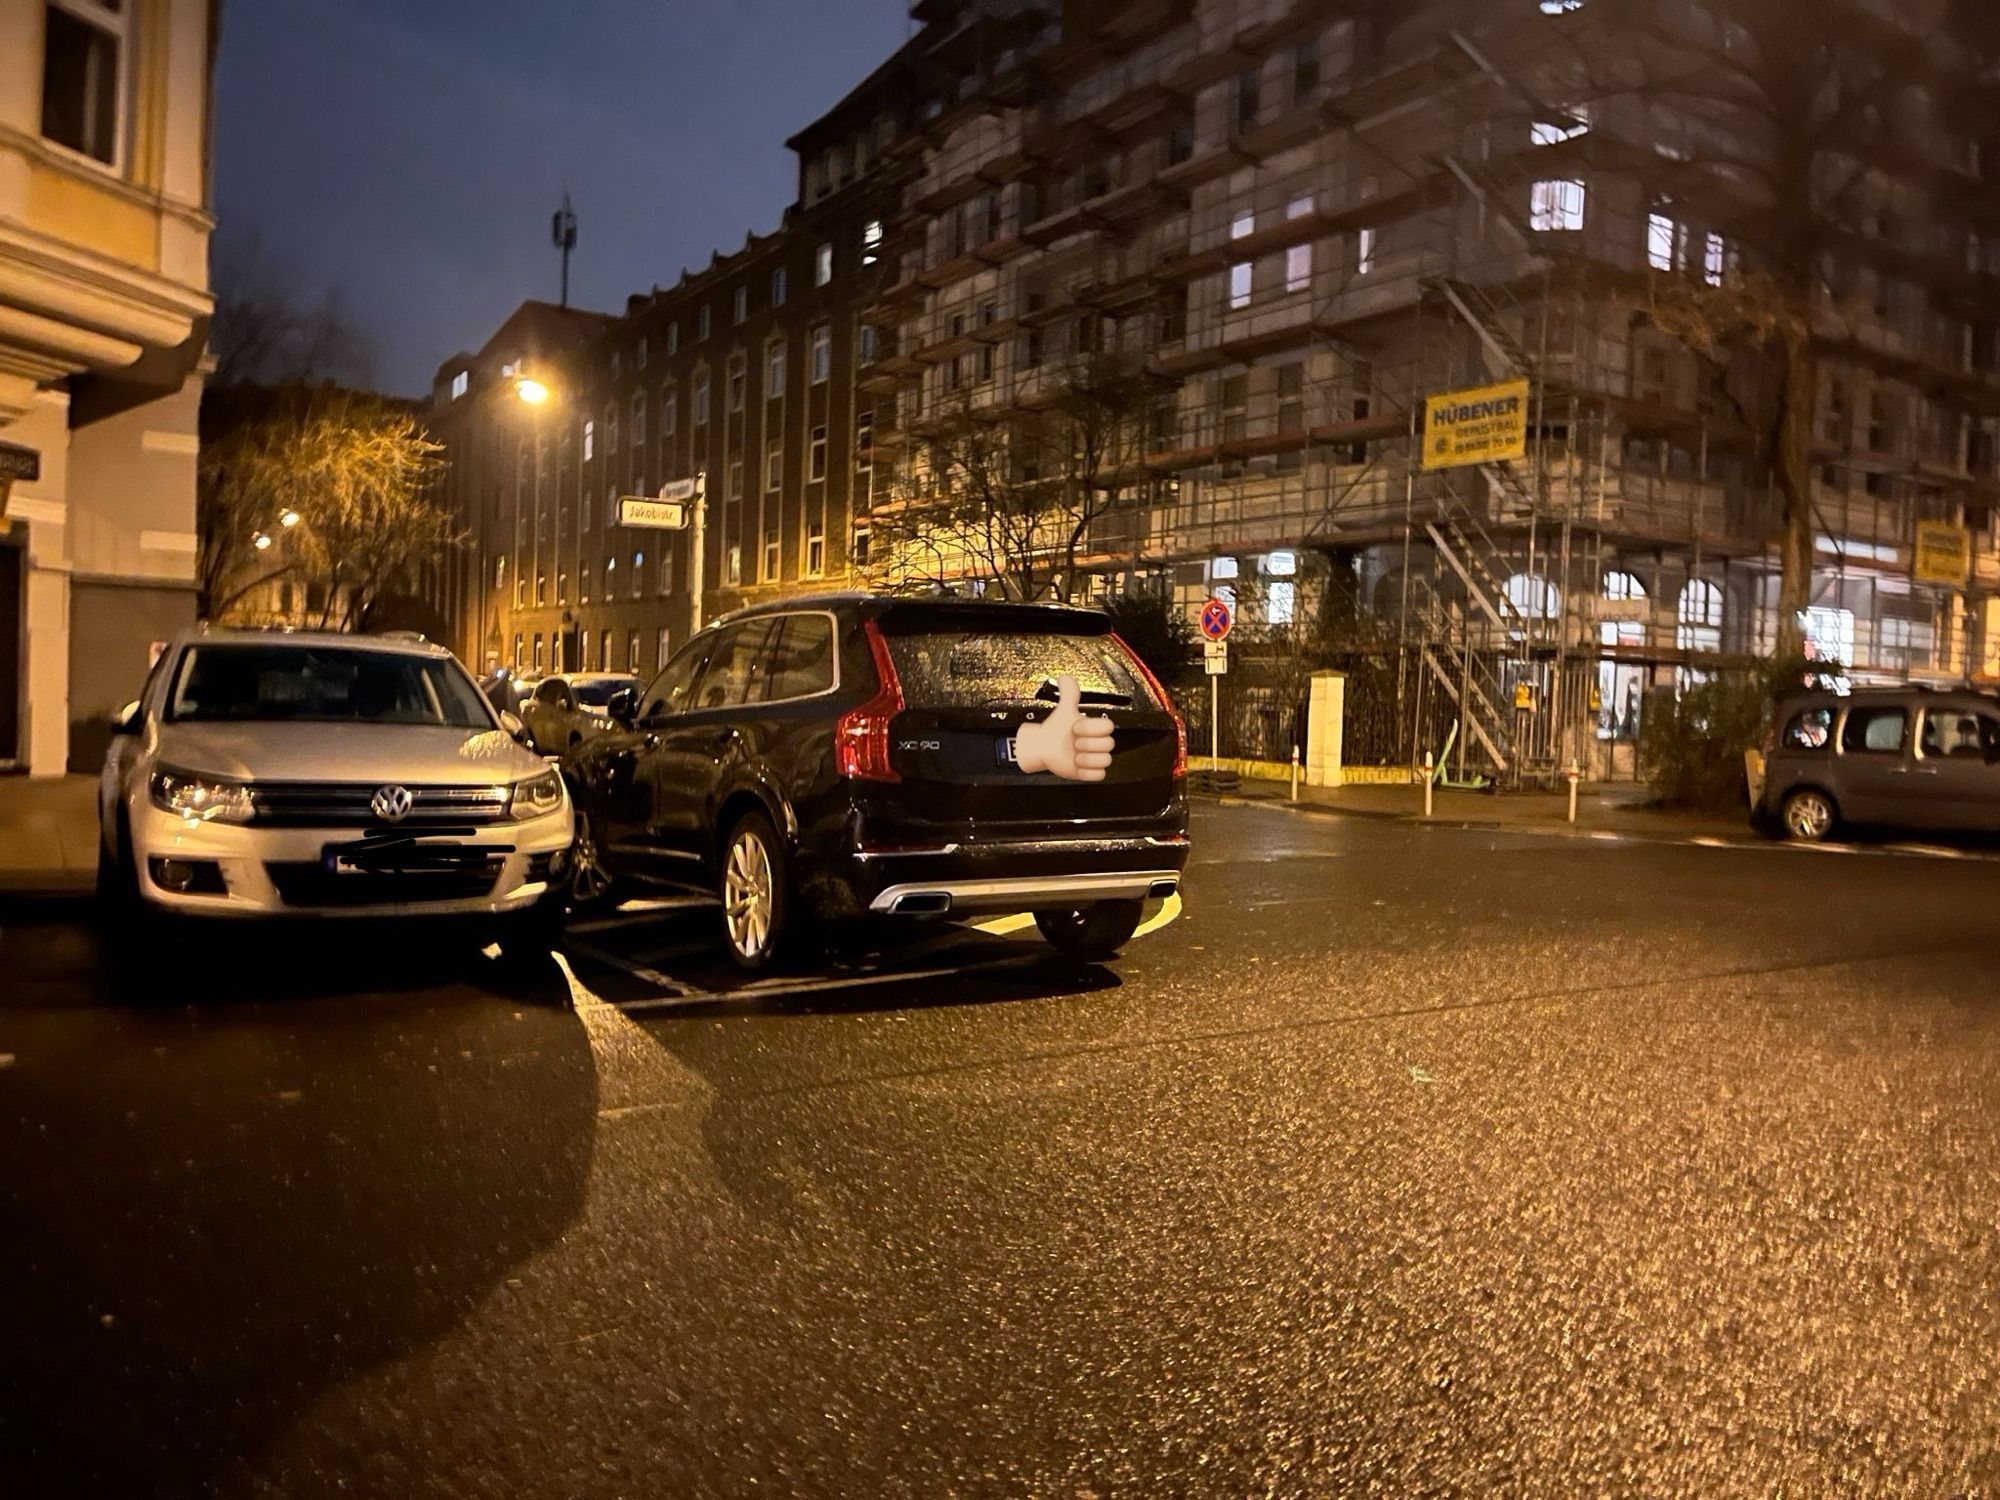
pixel 257 683
pixel 596 692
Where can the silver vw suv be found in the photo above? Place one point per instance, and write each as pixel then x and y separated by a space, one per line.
pixel 266 773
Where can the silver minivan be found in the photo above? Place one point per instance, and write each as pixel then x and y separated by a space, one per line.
pixel 1891 758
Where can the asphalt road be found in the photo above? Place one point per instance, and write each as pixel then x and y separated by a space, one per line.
pixel 1406 1161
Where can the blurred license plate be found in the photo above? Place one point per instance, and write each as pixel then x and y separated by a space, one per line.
pixel 340 860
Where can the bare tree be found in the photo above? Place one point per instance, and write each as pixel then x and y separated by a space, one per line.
pixel 355 476
pixel 1794 127
pixel 1011 495
pixel 268 332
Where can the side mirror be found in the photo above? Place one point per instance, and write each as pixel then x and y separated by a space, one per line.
pixel 126 720
pixel 624 705
pixel 511 722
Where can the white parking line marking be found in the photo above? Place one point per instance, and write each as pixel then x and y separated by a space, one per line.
pixel 633 913
pixel 638 971
pixel 775 989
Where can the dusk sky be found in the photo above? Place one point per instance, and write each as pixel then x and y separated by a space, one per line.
pixel 408 156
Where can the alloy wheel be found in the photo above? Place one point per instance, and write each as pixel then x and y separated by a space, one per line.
pixel 748 894
pixel 589 881
pixel 1808 817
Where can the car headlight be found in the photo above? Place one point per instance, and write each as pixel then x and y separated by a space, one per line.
pixel 536 797
pixel 200 799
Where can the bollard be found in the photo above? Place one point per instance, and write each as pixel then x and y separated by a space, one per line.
pixel 1295 773
pixel 1430 781
pixel 1573 773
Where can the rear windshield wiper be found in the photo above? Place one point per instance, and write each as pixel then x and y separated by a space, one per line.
pixel 1048 693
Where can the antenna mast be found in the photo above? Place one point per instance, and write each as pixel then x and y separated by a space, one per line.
pixel 562 230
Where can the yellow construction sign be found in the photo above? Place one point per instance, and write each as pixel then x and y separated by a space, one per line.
pixel 1487 425
pixel 1943 554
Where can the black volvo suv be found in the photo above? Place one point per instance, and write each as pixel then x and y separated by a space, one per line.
pixel 832 759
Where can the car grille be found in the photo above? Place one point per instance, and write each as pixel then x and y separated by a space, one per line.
pixel 336 804
pixel 303 884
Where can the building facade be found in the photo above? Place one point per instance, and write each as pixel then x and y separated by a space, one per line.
pixel 1159 291
pixel 105 116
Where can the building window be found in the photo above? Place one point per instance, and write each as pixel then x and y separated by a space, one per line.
pixel 857 548
pixel 500 571
pixel 82 76
pixel 1239 284
pixel 517 661
pixel 1700 617
pixel 660 648
pixel 1305 69
pixel 638 574
pixel 673 338
pixel 611 578
pixel 638 423
pixel 1249 97
pixel 871 242
pixel 1364 251
pixel 583 508
pixel 1298 268
pixel 774 369
pixel 771 555
pixel 1714 258
pixel 1243 225
pixel 632 651
pixel 1661 234
pixel 701 324
pixel 583 583
pixel 562 588
pixel 740 304
pixel 774 465
pixel 866 344
pixel 734 488
pixel 738 380
pixel 589 441
pixel 822 353
pixel 822 265
pixel 1560 7
pixel 666 570
pixel 815 550
pixel 701 398
pixel 640 352
pixel 732 564
pixel 670 411
pixel 1557 205
pixel 538 651
pixel 816 455
pixel 1280 602
pixel 541 588
pixel 459 384
pixel 1180 143
pixel 610 430
pixel 1555 132
pixel 778 287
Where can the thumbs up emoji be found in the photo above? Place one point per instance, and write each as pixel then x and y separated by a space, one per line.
pixel 1068 743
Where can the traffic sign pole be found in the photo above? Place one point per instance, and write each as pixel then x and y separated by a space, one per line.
pixel 699 551
pixel 1216 619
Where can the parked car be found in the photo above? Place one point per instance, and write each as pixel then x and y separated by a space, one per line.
pixel 1893 758
pixel 569 708
pixel 822 761
pixel 263 774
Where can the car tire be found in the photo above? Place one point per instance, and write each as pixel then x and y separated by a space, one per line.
pixel 1092 933
pixel 117 874
pixel 755 888
pixel 1809 816
pixel 590 886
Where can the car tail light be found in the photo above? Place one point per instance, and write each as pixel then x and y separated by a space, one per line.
pixel 1159 692
pixel 861 737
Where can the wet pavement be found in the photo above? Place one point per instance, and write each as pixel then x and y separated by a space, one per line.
pixel 1404 1160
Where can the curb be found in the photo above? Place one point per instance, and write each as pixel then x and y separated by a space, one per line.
pixel 1579 829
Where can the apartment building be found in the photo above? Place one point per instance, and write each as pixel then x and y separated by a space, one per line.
pixel 744 372
pixel 1303 219
pixel 105 116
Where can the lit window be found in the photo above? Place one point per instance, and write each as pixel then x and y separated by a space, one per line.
pixel 1661 233
pixel 589 440
pixel 638 573
pixel 82 83
pixel 815 551
pixel 459 383
pixel 1242 225
pixel 1364 251
pixel 1281 564
pixel 1714 259
pixel 1557 205
pixel 1239 284
pixel 1280 602
pixel 1560 7
pixel 1299 207
pixel 1222 567
pixel 871 242
pixel 1555 132
pixel 1298 268
pixel 822 265
pixel 822 353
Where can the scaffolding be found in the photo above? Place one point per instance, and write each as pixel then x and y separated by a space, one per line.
pixel 1303 225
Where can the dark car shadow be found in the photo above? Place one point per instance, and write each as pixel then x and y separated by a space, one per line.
pixel 236 1185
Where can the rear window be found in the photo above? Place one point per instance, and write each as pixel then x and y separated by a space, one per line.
pixel 1009 669
pixel 1875 731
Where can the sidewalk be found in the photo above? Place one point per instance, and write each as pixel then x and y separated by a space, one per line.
pixel 48 835
pixel 1599 809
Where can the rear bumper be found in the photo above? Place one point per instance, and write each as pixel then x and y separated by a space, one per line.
pixel 1023 892
pixel 948 878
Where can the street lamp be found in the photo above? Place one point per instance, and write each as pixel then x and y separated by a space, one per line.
pixel 261 541
pixel 289 519
pixel 532 391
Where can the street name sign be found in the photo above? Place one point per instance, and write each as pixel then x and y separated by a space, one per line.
pixel 1485 425
pixel 1943 554
pixel 645 510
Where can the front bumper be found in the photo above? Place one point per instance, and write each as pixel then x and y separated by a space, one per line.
pixel 273 872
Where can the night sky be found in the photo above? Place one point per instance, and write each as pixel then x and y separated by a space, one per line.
pixel 407 154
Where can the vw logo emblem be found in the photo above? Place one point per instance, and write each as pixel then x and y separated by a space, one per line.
pixel 392 804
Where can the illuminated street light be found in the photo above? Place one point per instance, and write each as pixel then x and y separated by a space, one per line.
pixel 531 391
pixel 261 541
pixel 289 519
